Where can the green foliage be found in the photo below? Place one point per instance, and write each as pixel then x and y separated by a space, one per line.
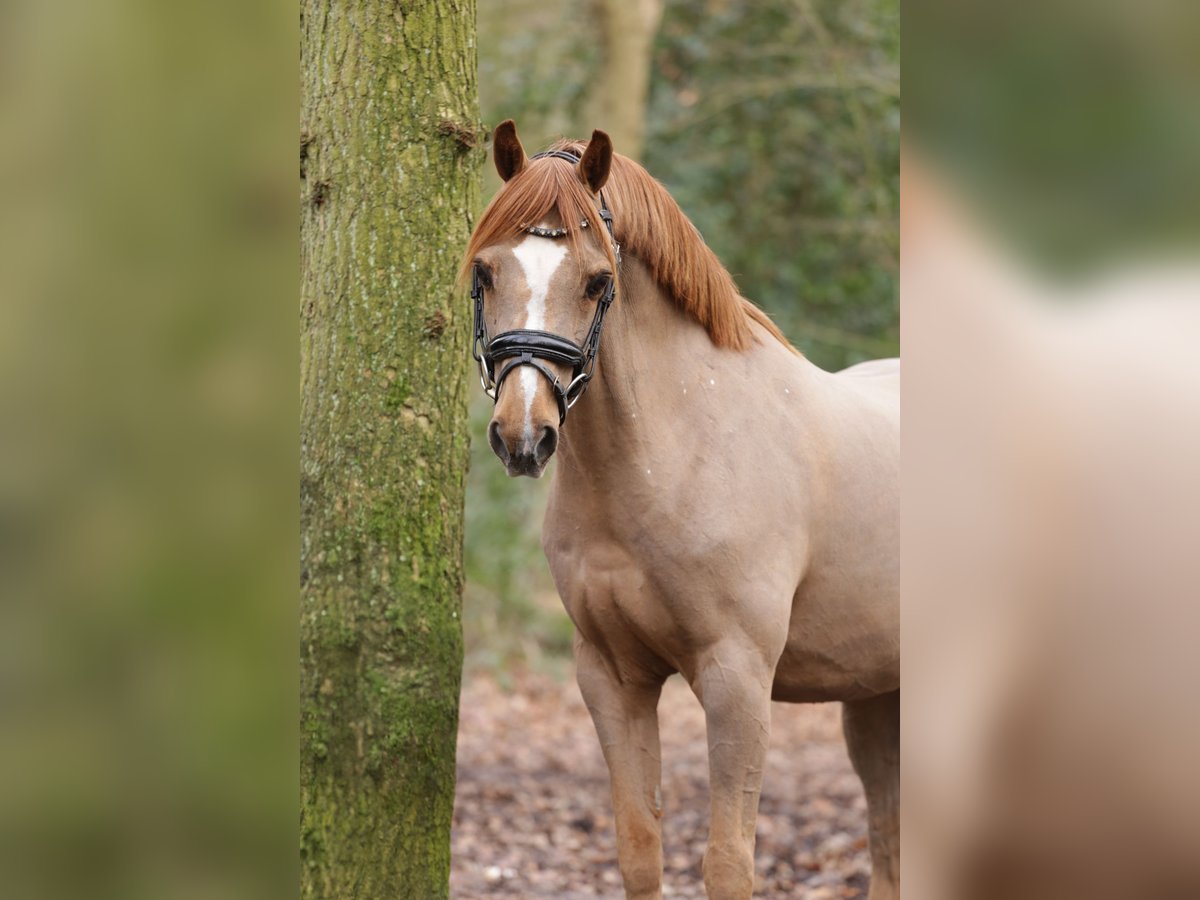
pixel 776 126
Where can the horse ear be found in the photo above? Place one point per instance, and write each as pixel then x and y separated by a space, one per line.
pixel 596 162
pixel 507 150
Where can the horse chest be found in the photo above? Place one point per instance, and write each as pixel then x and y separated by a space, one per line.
pixel 600 584
pixel 614 599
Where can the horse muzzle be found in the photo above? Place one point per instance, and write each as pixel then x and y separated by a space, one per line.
pixel 527 451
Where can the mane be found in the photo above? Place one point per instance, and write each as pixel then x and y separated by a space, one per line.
pixel 647 222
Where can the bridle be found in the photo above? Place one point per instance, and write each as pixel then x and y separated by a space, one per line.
pixel 530 347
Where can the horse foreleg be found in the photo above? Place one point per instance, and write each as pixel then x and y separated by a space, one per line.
pixel 734 687
pixel 626 717
pixel 872 730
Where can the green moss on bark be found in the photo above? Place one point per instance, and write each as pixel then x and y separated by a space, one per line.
pixel 387 192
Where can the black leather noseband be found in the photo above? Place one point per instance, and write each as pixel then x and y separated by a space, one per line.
pixel 529 347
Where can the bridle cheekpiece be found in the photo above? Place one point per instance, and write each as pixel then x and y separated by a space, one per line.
pixel 530 347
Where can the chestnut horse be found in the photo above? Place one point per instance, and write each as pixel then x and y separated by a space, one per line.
pixel 721 507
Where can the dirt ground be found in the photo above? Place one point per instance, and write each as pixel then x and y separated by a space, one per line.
pixel 532 817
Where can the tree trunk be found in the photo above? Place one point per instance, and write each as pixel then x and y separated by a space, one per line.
pixel 628 28
pixel 389 178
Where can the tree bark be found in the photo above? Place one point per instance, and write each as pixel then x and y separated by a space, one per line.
pixel 389 167
pixel 619 101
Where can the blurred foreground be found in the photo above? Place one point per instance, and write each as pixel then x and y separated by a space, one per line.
pixel 1051 516
pixel 1051 316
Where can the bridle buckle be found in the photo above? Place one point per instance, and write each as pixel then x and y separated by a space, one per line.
pixel 576 387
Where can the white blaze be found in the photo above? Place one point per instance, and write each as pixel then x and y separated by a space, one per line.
pixel 539 259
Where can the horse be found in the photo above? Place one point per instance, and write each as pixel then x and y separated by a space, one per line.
pixel 721 507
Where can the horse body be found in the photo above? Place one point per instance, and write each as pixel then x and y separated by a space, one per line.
pixel 721 507
pixel 702 492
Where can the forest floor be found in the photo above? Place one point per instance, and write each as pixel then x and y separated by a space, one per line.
pixel 533 816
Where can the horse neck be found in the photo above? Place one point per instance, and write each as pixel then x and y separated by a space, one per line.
pixel 648 344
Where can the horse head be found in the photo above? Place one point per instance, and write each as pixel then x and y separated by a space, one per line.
pixel 543 269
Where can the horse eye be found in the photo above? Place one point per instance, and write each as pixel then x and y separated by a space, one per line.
pixel 598 284
pixel 485 277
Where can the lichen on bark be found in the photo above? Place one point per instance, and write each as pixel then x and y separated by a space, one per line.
pixel 387 190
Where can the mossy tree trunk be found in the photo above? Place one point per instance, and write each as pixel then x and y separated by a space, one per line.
pixel 389 167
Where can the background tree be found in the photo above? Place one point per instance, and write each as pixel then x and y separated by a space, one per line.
pixel 388 168
pixel 619 92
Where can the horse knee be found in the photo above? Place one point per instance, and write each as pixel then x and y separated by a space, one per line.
pixel 728 872
pixel 640 855
pixel 642 877
pixel 643 880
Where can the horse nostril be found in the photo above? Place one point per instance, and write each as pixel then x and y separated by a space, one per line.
pixel 546 445
pixel 497 442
